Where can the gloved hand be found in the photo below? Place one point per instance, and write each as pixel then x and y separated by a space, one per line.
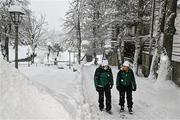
pixel 99 89
pixel 134 88
pixel 111 86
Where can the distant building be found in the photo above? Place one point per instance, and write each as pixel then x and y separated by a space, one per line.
pixel 129 37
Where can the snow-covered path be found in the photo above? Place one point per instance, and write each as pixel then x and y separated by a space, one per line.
pixel 91 97
pixel 75 90
pixel 64 84
pixel 152 101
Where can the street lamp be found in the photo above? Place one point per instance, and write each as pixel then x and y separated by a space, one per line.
pixel 49 45
pixel 69 58
pixel 16 14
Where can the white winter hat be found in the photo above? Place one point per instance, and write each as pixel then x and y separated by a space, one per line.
pixel 104 63
pixel 126 63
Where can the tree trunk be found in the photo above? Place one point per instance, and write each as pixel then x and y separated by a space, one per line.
pixel 96 14
pixel 94 46
pixel 169 32
pixel 94 53
pixel 152 27
pixel 120 50
pixel 80 41
pixel 159 39
pixel 7 48
pixel 33 53
pixel 170 29
pixel 138 33
pixel 136 56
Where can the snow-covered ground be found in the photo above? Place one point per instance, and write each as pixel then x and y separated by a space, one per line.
pixel 152 100
pixel 21 99
pixel 46 92
pixel 64 85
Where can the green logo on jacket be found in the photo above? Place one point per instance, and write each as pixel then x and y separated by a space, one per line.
pixel 104 79
pixel 126 78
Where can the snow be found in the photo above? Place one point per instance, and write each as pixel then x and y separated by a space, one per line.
pixel 23 99
pixel 64 84
pixel 22 52
pixel 164 58
pixel 108 46
pixel 164 68
pixel 41 54
pixel 152 100
pixel 85 42
pixel 15 8
pixel 178 2
pixel 49 44
pixel 66 95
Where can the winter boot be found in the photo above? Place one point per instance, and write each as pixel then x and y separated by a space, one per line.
pixel 109 111
pixel 122 109
pixel 101 109
pixel 130 111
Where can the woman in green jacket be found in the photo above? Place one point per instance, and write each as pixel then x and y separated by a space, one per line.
pixel 103 80
pixel 125 84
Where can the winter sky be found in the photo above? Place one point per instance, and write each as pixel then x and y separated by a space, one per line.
pixel 53 9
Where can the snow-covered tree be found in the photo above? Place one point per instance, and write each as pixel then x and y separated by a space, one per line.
pixel 96 25
pixel 132 13
pixel 73 25
pixel 164 38
pixel 34 31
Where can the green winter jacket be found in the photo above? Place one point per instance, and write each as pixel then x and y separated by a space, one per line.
pixel 126 79
pixel 103 77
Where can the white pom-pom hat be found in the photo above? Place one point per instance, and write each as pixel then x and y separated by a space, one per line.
pixel 126 63
pixel 104 63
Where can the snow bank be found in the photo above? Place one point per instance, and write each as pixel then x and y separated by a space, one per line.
pixel 21 99
pixel 164 68
pixel 65 86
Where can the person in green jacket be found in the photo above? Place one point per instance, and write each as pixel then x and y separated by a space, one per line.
pixel 125 84
pixel 103 80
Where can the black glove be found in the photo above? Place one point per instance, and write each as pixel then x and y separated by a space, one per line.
pixel 134 88
pixel 99 89
pixel 111 86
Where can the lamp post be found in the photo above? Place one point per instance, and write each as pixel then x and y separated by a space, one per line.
pixel 69 58
pixel 16 14
pixel 49 45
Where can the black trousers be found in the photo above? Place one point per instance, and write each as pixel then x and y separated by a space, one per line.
pixel 128 92
pixel 107 93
